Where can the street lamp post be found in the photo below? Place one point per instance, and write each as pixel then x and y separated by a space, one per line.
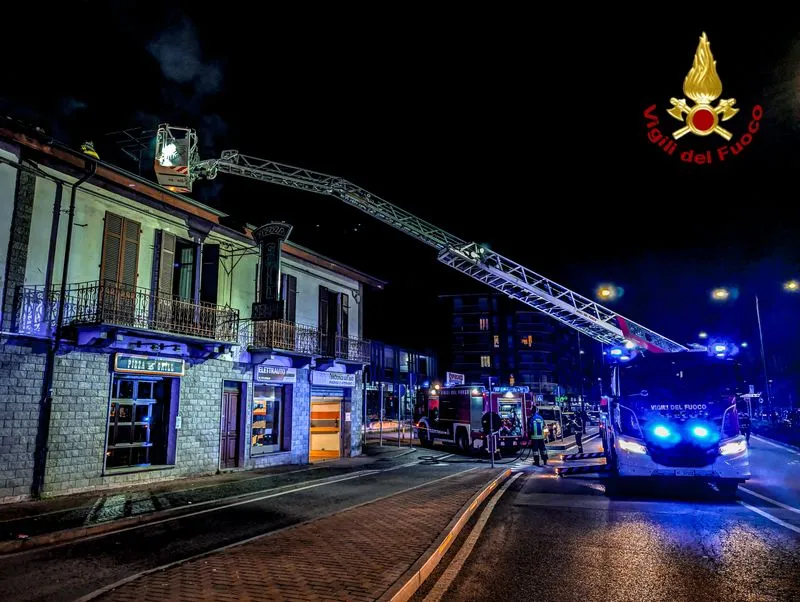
pixel 763 357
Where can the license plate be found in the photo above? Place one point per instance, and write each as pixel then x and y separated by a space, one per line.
pixel 684 473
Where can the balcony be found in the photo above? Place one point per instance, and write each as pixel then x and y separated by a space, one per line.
pixel 282 335
pixel 114 304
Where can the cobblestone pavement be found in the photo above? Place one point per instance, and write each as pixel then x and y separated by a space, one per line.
pixel 355 555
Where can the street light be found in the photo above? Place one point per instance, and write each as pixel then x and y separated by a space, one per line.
pixel 792 286
pixel 703 335
pixel 720 294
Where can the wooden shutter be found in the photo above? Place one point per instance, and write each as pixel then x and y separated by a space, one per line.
pixel 323 310
pixel 112 243
pixel 129 259
pixel 344 314
pixel 289 293
pixel 120 257
pixel 166 264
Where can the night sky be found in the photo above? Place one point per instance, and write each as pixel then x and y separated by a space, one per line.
pixel 522 132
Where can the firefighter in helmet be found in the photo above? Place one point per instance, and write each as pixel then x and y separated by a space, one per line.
pixel 536 436
pixel 88 149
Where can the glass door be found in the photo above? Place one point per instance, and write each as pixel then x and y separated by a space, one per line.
pixel 130 422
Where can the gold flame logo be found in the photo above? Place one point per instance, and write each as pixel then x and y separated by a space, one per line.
pixel 703 86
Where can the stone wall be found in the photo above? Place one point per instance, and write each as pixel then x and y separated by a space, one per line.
pixel 21 378
pixel 81 392
pixel 17 251
pixel 356 409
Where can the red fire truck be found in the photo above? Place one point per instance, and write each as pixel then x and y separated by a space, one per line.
pixel 465 415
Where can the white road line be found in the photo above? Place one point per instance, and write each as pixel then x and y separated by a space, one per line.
pixel 770 500
pixel 783 447
pixel 451 572
pixel 768 516
pixel 104 589
pixel 111 493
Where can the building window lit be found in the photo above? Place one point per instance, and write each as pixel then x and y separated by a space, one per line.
pixel 496 340
pixel 486 361
pixel 484 324
pixel 527 341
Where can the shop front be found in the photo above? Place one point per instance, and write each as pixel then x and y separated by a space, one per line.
pixel 330 424
pixel 143 410
pixel 272 394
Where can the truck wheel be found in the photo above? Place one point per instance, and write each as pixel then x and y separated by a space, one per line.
pixel 463 441
pixel 728 488
pixel 424 437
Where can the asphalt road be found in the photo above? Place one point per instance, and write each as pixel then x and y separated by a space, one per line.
pixel 71 570
pixel 567 539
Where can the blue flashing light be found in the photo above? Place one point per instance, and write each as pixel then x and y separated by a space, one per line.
pixel 616 351
pixel 661 431
pixel 700 431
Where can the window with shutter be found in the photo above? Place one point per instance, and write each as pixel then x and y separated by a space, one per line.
pixel 289 295
pixel 164 271
pixel 116 295
pixel 120 256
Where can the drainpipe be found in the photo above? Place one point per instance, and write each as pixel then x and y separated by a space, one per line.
pixel 46 404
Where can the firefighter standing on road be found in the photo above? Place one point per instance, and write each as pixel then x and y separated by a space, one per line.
pixel 536 436
pixel 577 424
pixel 745 426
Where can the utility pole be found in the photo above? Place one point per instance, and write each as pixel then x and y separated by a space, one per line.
pixel 763 358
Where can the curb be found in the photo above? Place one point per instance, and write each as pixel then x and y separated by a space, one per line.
pixel 405 587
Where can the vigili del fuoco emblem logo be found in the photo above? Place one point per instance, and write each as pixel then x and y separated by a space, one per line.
pixel 700 115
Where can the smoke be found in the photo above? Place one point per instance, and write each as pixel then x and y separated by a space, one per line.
pixel 70 105
pixel 179 54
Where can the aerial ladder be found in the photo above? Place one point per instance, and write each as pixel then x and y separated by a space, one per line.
pixel 178 166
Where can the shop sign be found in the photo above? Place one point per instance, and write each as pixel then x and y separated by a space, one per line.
pixel 453 379
pixel 333 379
pixel 143 364
pixel 275 374
pixel 512 389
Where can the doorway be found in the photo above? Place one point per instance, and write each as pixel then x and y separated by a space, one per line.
pixel 325 431
pixel 231 418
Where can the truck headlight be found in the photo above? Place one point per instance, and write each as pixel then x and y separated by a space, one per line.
pixel 631 446
pixel 733 447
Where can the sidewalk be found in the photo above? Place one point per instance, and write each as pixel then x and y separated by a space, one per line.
pixel 349 556
pixel 26 524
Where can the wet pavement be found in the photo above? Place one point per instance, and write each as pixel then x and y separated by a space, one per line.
pixel 567 539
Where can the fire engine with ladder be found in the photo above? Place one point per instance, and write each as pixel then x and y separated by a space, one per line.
pixel 681 426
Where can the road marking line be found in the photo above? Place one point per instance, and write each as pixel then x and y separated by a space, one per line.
pixel 768 516
pixel 770 500
pixel 783 447
pixel 111 493
pixel 116 584
pixel 451 572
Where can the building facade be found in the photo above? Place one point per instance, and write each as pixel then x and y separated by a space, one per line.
pixel 128 351
pixel 394 376
pixel 493 336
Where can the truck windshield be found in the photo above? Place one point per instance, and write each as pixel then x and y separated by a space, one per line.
pixel 678 387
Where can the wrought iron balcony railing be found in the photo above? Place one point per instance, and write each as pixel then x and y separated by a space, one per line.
pixel 280 334
pixel 305 340
pixel 112 303
pixel 353 349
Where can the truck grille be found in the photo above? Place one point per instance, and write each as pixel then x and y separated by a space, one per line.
pixel 683 455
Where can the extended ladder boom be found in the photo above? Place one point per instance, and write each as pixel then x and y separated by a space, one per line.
pixel 470 258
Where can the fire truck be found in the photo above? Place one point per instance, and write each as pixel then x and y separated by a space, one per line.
pixel 465 416
pixel 178 166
